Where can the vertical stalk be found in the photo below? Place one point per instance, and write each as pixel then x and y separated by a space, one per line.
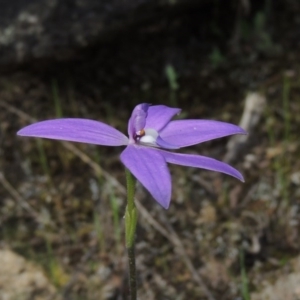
pixel 132 272
pixel 130 229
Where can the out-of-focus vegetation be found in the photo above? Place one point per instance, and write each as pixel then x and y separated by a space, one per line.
pixel 62 204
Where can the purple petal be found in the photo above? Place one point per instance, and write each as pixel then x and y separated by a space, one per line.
pixel 137 120
pixel 163 144
pixel 185 133
pixel 202 162
pixel 159 116
pixel 76 130
pixel 151 170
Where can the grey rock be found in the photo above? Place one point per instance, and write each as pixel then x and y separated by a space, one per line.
pixel 23 280
pixel 280 284
pixel 33 29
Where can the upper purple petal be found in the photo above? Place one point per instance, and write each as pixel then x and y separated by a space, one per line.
pixel 202 162
pixel 76 130
pixel 159 116
pixel 151 170
pixel 185 133
pixel 137 120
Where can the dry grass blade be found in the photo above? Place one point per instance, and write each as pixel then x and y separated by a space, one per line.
pixel 20 201
pixel 179 248
pixel 171 236
pixel 255 104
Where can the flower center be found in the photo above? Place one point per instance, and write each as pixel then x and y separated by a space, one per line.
pixel 147 137
pixel 139 134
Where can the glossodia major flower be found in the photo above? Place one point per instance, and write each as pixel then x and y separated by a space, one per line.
pixel 151 134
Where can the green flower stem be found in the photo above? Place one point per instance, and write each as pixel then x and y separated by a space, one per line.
pixel 130 229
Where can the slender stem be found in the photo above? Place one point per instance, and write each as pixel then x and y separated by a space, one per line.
pixel 132 272
pixel 130 229
pixel 130 181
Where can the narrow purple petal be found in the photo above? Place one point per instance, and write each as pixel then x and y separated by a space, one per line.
pixel 76 130
pixel 159 116
pixel 202 162
pixel 151 170
pixel 185 133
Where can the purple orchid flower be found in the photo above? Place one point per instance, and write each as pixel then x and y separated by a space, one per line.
pixel 150 131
